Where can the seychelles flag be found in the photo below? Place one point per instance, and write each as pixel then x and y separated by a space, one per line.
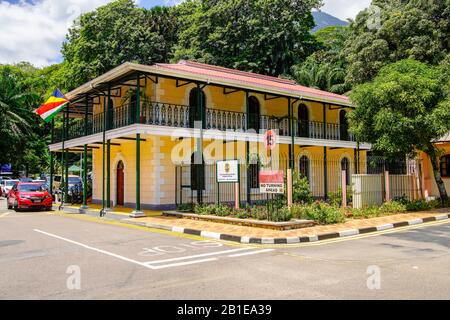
pixel 54 104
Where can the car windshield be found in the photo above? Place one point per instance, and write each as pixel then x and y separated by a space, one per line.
pixel 31 187
pixel 10 183
pixel 74 180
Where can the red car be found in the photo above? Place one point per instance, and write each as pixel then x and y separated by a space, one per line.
pixel 27 195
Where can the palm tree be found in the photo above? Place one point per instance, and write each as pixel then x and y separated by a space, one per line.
pixel 15 106
pixel 323 76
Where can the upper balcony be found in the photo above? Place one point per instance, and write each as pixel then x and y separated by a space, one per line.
pixel 183 116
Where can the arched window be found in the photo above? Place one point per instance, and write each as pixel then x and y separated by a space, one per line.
pixel 197 174
pixel 303 167
pixel 303 121
pixel 343 125
pixel 254 114
pixel 195 113
pixel 345 165
pixel 445 166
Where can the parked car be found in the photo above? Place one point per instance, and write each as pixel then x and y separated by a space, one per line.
pixel 26 195
pixel 72 179
pixel 7 186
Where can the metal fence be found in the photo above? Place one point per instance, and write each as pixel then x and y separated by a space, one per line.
pixel 325 180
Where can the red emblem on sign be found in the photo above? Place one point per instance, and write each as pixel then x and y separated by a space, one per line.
pixel 270 139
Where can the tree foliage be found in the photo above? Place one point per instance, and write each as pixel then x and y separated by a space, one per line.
pixel 399 29
pixel 262 36
pixel 403 110
pixel 116 33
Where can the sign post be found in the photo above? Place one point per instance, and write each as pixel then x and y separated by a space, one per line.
pixel 271 182
pixel 228 172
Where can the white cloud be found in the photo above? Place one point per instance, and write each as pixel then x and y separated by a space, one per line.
pixel 33 31
pixel 344 9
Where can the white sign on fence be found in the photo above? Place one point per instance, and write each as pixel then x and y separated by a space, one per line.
pixel 228 171
pixel 271 182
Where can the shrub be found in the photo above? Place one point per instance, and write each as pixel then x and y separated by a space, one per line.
pixel 367 212
pixel 185 207
pixel 281 215
pixel 259 213
pixel 321 212
pixel 418 205
pixel 301 192
pixel 241 214
pixel 336 197
pixel 222 211
pixel 219 210
pixel 393 207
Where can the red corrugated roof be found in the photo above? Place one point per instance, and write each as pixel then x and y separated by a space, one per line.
pixel 221 73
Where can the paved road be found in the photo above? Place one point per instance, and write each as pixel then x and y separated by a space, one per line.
pixel 50 256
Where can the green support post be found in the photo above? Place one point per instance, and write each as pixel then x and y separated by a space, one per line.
pixel 61 185
pixel 84 207
pixel 51 158
pixel 102 211
pixel 66 185
pixel 325 165
pixel 137 213
pixel 108 175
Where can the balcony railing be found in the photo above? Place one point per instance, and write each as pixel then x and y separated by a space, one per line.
pixel 181 116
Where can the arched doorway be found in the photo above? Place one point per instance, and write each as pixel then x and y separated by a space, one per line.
pixel 254 114
pixel 304 167
pixel 195 113
pixel 343 125
pixel 345 165
pixel 120 184
pixel 303 121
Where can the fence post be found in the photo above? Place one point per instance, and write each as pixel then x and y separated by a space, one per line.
pixel 236 195
pixel 344 188
pixel 387 186
pixel 289 188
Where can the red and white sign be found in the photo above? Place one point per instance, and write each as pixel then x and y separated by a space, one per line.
pixel 271 181
pixel 270 139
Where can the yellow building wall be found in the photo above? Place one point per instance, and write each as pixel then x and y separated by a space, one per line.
pixel 430 187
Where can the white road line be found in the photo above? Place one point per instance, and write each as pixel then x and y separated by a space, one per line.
pixel 4 214
pixel 197 256
pixel 95 249
pixel 183 263
pixel 249 253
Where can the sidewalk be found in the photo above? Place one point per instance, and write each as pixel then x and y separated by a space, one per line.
pixel 243 234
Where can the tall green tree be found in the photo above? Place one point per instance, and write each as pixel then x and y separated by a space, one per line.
pixel 262 36
pixel 116 33
pixel 393 30
pixel 403 110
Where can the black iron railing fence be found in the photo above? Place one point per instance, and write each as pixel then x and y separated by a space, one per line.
pixel 182 116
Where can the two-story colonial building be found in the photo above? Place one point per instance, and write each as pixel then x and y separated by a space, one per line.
pixel 134 118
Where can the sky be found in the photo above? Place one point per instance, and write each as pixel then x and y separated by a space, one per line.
pixel 33 30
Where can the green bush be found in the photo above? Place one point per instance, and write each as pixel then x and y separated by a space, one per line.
pixel 258 212
pixel 320 212
pixel 301 192
pixel 218 210
pixel 281 215
pixel 241 214
pixel 367 212
pixel 418 205
pixel 336 197
pixel 393 207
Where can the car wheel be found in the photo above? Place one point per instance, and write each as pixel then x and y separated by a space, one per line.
pixel 9 206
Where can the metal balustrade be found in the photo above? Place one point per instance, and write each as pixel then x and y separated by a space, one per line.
pixel 181 116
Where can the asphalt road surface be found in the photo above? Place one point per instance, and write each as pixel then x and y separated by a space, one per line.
pixel 51 256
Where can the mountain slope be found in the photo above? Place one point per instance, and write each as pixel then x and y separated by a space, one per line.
pixel 323 19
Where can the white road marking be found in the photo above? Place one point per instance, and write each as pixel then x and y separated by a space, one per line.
pixel 95 249
pixel 183 263
pixel 249 253
pixel 160 263
pixel 197 256
pixel 4 214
